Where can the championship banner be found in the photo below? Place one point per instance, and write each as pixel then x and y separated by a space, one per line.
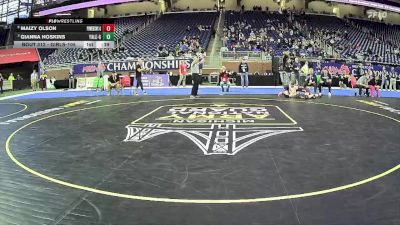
pixel 352 69
pixel 154 80
pixel 155 65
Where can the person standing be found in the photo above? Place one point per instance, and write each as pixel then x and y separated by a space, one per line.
pixel 195 76
pixel 43 81
pixel 1 83
pixel 327 80
pixel 34 80
pixel 182 74
pixel 139 70
pixel 71 78
pixel 100 74
pixel 11 77
pixel 296 69
pixel 385 77
pixel 317 82
pixel 244 73
pixel 202 59
pixel 393 76
pixel 304 72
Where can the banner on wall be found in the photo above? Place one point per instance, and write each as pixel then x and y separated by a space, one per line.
pixel 156 65
pixel 353 69
pixel 15 55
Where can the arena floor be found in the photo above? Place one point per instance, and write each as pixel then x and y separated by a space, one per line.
pixel 170 160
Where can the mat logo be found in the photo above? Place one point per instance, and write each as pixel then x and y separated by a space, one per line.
pixel 214 128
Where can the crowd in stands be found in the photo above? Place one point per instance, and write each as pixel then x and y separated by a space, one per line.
pixel 267 32
pixel 187 46
pixel 311 35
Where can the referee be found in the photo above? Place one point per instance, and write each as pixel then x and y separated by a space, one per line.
pixel 195 76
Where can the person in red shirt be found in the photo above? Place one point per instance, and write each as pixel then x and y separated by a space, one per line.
pixel 224 80
pixel 182 74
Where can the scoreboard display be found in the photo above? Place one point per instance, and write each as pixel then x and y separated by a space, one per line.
pixel 64 33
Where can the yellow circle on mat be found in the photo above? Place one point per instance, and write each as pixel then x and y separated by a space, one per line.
pixel 196 201
pixel 12 103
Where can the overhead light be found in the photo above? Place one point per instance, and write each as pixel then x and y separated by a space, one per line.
pixel 63 14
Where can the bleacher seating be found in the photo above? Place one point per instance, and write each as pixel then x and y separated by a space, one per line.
pixel 129 24
pixel 356 39
pixel 169 29
pixel 45 52
pixel 257 20
pixel 381 39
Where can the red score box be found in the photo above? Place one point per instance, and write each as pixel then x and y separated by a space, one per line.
pixel 108 28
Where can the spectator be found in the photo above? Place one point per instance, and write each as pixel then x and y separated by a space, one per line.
pixel 385 78
pixel 244 73
pixel 11 77
pixel 392 85
pixel 182 73
pixel 362 83
pixel 114 82
pixel 43 81
pixel 224 80
pixel 71 79
pixel 373 84
pixel 34 80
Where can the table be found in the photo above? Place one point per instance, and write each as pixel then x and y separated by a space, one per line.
pixel 257 80
pixel 21 84
pixel 62 84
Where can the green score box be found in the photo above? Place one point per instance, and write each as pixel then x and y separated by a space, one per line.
pixel 108 36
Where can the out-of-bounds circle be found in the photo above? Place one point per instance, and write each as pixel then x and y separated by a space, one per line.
pixel 24 107
pixel 195 201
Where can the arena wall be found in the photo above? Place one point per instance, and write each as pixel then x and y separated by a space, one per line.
pixel 347 10
pixel 232 4
pixel 260 67
pixel 201 4
pixel 393 18
pixel 60 74
pixel 341 10
pixel 263 3
pixel 132 8
pixel 99 12
pixel 298 4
